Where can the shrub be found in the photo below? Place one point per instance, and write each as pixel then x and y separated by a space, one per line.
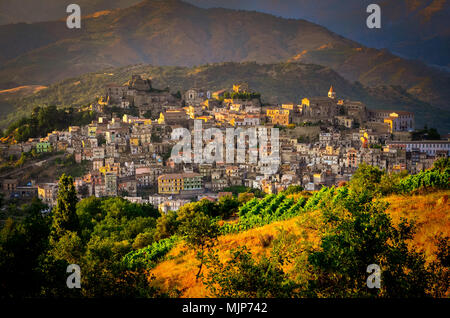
pixel 265 240
pixel 244 277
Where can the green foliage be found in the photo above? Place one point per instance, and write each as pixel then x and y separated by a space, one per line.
pixel 25 268
pixel 101 140
pixel 441 164
pixel 143 239
pixel 108 229
pixel 242 95
pixel 236 190
pixel 149 115
pixel 374 180
pixel 228 206
pixel 116 242
pixel 366 178
pixel 425 179
pixel 441 267
pixel 102 244
pixel 199 233
pixel 243 277
pixel 357 232
pixel 170 223
pixel 259 212
pixel 155 138
pixel 64 215
pixel 69 166
pixel 148 257
pixel 245 209
pixel 69 247
pixel 292 189
pixel 46 119
pixel 426 134
pixel 245 197
pixel 389 183
pixel 166 225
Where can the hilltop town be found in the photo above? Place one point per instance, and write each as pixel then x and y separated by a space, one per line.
pixel 126 149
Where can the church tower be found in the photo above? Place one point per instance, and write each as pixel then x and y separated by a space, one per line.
pixel 331 93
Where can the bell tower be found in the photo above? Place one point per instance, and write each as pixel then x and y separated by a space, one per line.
pixel 331 93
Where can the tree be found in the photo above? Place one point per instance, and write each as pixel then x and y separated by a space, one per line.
pixel 143 239
pixel 101 140
pixel 228 206
pixel 441 164
pixel 64 215
pixel 292 189
pixel 199 234
pixel 244 277
pixel 357 232
pixel 244 197
pixel 166 225
pixel 23 246
pixel 366 177
pixel 389 182
pixel 148 114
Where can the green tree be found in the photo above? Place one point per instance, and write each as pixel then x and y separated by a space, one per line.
pixel 366 177
pixel 358 232
pixel 101 140
pixel 228 206
pixel 441 164
pixel 143 239
pixel 166 225
pixel 25 270
pixel 390 182
pixel 244 277
pixel 199 233
pixel 244 197
pixel 64 215
pixel 292 189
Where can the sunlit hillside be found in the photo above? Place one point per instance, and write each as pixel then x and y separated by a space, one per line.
pixel 431 212
pixel 299 81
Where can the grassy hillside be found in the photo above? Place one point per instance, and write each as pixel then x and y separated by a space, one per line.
pixel 278 83
pixel 431 212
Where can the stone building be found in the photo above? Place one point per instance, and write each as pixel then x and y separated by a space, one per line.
pixel 195 97
pixel 397 120
pixel 319 108
pixel 139 93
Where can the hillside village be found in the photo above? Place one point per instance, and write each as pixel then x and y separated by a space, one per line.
pixel 322 141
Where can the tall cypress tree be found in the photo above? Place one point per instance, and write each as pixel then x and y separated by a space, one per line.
pixel 65 217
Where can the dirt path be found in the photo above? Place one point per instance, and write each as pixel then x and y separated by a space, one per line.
pixel 18 171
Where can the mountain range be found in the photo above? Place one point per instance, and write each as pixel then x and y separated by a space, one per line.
pixel 416 29
pixel 173 32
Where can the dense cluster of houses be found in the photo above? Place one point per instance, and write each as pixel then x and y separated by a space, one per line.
pixel 130 156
